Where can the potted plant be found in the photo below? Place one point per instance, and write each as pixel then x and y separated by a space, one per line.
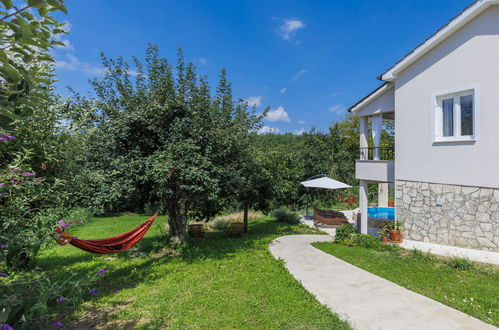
pixel 383 236
pixel 394 229
pixel 195 229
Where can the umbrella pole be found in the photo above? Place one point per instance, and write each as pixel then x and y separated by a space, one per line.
pixel 306 212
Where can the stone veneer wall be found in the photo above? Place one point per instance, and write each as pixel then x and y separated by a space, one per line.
pixel 468 216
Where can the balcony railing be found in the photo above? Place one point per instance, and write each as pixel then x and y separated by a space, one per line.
pixel 384 153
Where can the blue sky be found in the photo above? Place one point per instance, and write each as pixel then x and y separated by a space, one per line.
pixel 307 60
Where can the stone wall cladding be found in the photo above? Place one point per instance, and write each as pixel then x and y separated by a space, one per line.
pixel 468 216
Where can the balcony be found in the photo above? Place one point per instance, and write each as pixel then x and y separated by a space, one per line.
pixel 375 165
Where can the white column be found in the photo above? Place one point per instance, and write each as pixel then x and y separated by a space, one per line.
pixel 383 194
pixel 364 132
pixel 376 132
pixel 363 206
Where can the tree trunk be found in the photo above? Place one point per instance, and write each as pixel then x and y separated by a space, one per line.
pixel 177 220
pixel 245 217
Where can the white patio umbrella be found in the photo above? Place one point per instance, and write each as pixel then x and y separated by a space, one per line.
pixel 323 182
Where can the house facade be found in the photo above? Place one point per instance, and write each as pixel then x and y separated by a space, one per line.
pixel 444 100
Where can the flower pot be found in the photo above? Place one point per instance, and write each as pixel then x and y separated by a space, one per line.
pixel 195 230
pixel 395 236
pixel 384 239
pixel 236 229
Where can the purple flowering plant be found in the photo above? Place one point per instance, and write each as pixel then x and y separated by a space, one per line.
pixel 102 270
pixel 57 324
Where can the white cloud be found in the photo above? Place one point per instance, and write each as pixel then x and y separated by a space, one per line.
pixel 202 61
pixel 67 26
pixel 338 108
pixel 254 101
pixel 283 90
pixel 74 64
pixel 278 115
pixel 62 37
pixel 289 27
pixel 297 75
pixel 268 130
pixel 299 132
pixel 302 122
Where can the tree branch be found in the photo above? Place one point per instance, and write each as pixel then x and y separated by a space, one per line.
pixel 14 13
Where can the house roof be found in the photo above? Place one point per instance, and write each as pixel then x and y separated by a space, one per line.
pixel 380 90
pixel 465 16
pixel 469 13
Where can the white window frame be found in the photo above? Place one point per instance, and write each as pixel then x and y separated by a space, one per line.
pixel 455 94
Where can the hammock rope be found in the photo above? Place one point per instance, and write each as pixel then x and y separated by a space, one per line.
pixel 113 244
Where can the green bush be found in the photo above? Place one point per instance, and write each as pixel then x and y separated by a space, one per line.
pixel 461 264
pixel 366 241
pixel 28 298
pixel 344 232
pixel 285 215
pixel 220 223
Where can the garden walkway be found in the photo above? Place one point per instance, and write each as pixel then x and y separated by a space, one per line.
pixel 365 300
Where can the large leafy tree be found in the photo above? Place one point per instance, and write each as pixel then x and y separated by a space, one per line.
pixel 162 138
pixel 27 33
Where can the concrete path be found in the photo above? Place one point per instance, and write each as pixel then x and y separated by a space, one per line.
pixel 363 299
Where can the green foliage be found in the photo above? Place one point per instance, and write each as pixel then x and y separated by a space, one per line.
pixel 28 211
pixel 344 232
pixel 163 139
pixel 27 33
pixel 285 215
pixel 366 241
pixel 461 263
pixel 220 223
pixel 393 225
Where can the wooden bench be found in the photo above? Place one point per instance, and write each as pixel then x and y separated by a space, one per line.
pixel 329 218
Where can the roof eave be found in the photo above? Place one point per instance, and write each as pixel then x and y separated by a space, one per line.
pixel 454 24
pixel 379 91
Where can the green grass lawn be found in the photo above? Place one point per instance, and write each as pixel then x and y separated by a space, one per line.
pixel 213 283
pixel 474 292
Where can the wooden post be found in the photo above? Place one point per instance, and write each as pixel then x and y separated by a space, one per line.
pixel 245 216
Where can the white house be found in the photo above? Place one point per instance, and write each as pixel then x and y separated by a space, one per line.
pixel 444 98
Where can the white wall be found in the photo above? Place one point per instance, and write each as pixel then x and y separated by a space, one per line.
pixel 375 170
pixel 469 57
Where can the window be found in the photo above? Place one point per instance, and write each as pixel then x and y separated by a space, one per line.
pixel 455 117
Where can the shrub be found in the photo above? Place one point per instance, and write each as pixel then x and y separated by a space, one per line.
pixel 285 215
pixel 344 232
pixel 366 241
pixel 461 263
pixel 220 223
pixel 239 216
pixel 29 298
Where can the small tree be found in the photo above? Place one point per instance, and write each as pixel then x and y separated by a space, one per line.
pixel 163 138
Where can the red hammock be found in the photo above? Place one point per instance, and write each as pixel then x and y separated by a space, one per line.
pixel 106 245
